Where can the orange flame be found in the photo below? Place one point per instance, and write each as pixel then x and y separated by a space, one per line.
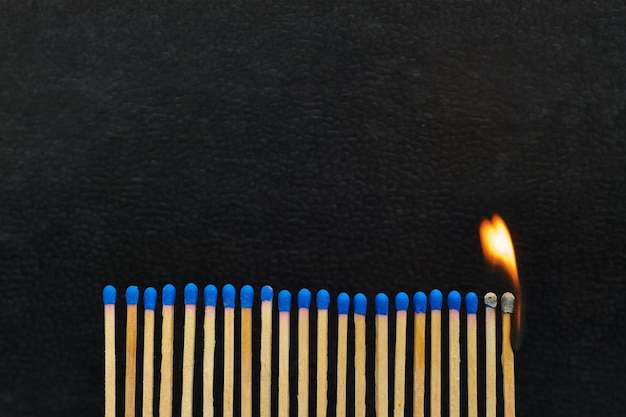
pixel 498 250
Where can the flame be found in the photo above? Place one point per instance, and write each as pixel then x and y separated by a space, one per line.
pixel 499 252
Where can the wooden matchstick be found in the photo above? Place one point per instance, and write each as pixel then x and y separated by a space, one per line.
pixel 109 295
pixel 132 299
pixel 228 297
pixel 189 349
pixel 284 308
pixel 508 359
pixel 267 294
pixel 208 360
pixel 323 302
pixel 360 309
pixel 399 374
pixel 491 301
pixel 419 353
pixel 454 354
pixel 381 303
pixel 304 303
pixel 247 299
pixel 149 304
pixel 167 351
pixel 436 301
pixel 471 306
pixel 343 307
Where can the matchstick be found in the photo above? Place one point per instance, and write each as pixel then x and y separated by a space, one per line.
pixel 228 298
pixel 167 351
pixel 491 301
pixel 189 349
pixel 454 354
pixel 208 360
pixel 284 308
pixel 132 299
pixel 304 303
pixel 267 294
pixel 419 353
pixel 382 355
pixel 109 295
pixel 508 360
pixel 246 297
pixel 343 306
pixel 323 301
pixel 360 309
pixel 149 304
pixel 471 306
pixel 436 300
pixel 399 373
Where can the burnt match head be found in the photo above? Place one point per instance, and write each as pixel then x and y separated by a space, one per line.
pixel 508 302
pixel 491 300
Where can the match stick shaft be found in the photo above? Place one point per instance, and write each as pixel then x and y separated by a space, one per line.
pixel 167 358
pixel 208 361
pixel 303 362
pixel 472 367
pixel 508 367
pixel 322 363
pixel 382 371
pixel 435 363
pixel 189 348
pixel 266 360
pixel 131 360
pixel 109 360
pixel 246 362
pixel 359 365
pixel 342 356
pixel 490 353
pixel 454 358
pixel 400 364
pixel 229 361
pixel 148 364
pixel 283 364
pixel 419 363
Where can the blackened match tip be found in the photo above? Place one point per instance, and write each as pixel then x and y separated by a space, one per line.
pixel 508 302
pixel 491 300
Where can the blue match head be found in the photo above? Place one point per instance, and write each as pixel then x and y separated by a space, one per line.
pixel 132 295
pixel 267 293
pixel 436 300
pixel 402 301
pixel 454 300
pixel 284 301
pixel 210 295
pixel 191 293
pixel 149 298
pixel 360 304
pixel 169 295
pixel 471 302
pixel 109 294
pixel 343 303
pixel 304 298
pixel 419 302
pixel 246 296
pixel 322 299
pixel 381 304
pixel 228 295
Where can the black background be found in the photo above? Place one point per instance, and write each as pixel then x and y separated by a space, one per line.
pixel 353 146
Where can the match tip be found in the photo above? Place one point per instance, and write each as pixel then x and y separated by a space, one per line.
pixel 360 304
pixel 267 293
pixel 132 295
pixel 149 298
pixel 284 301
pixel 169 295
pixel 436 300
pixel 246 296
pixel 454 300
pixel 304 298
pixel 491 300
pixel 471 302
pixel 191 293
pixel 210 295
pixel 323 300
pixel 419 302
pixel 508 302
pixel 228 295
pixel 381 304
pixel 109 294
pixel 343 303
pixel 402 301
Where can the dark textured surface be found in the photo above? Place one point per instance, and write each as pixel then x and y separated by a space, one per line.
pixel 354 147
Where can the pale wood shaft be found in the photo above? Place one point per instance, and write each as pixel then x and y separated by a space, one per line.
pixel 189 348
pixel 322 364
pixel 382 366
pixel 419 363
pixel 342 356
pixel 508 367
pixel 399 375
pixel 283 364
pixel 490 358
pixel 131 360
pixel 472 367
pixel 454 364
pixel 359 365
pixel 148 364
pixel 265 383
pixel 109 360
pixel 303 362
pixel 167 359
pixel 246 362
pixel 208 362
pixel 435 363
pixel 229 361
